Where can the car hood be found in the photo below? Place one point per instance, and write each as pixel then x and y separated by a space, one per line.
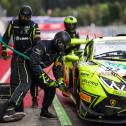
pixel 107 68
pixel 111 75
pixel 104 68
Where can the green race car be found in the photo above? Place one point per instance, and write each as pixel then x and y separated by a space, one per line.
pixel 96 79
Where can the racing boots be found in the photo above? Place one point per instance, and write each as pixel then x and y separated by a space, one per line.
pixel 3 106
pixel 11 115
pixel 46 114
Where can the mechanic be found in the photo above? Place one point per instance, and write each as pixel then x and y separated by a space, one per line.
pixel 70 24
pixel 45 49
pixel 25 33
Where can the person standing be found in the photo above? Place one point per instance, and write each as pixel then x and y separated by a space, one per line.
pixel 70 24
pixel 25 33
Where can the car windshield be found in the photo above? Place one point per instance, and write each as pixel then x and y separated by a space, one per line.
pixel 110 49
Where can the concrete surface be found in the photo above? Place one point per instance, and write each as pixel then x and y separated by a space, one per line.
pixel 32 118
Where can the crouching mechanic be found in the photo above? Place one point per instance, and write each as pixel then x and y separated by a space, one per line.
pixel 53 49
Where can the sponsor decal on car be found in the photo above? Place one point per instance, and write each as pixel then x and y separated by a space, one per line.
pixel 85 97
pixel 84 74
pixel 89 82
pixel 113 102
pixel 116 68
pixel 120 93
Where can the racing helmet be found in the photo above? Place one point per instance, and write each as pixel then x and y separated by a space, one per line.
pixel 70 23
pixel 61 40
pixel 25 13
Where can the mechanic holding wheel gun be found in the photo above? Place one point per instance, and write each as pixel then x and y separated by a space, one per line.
pixel 38 55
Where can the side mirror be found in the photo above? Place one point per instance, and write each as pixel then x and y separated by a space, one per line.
pixel 72 58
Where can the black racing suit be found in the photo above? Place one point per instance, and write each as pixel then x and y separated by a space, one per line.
pixel 42 54
pixel 47 57
pixel 24 37
pixel 73 34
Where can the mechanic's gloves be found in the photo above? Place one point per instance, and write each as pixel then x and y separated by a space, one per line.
pixel 43 77
pixel 47 81
pixel 56 84
pixel 4 53
pixel 60 84
pixel 62 87
pixel 52 84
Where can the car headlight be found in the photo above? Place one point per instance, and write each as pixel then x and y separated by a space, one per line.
pixel 112 84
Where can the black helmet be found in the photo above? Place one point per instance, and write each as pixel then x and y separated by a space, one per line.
pixel 25 13
pixel 70 23
pixel 61 40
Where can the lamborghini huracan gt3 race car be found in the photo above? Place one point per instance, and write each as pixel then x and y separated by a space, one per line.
pixel 96 78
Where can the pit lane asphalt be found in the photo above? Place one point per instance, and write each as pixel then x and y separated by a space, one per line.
pixel 62 103
pixel 32 118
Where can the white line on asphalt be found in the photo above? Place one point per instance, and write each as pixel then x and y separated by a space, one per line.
pixel 5 77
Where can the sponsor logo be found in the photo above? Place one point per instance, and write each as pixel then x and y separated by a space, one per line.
pixel 113 102
pixel 27 27
pixel 120 93
pixel 85 97
pixel 89 82
pixel 38 51
pixel 84 74
pixel 16 26
pixel 21 38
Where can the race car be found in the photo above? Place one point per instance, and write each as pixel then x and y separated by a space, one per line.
pixel 96 79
